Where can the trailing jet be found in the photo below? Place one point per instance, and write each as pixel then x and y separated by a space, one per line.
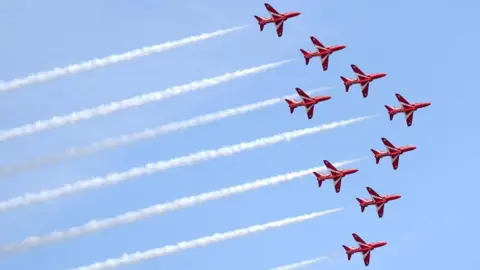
pixel 322 51
pixel 307 101
pixel 377 200
pixel 364 248
pixel 363 79
pixel 277 18
pixel 392 151
pixel 407 108
pixel 335 174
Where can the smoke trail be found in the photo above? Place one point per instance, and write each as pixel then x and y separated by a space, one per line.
pixel 300 264
pixel 145 134
pixel 137 257
pixel 117 177
pixel 136 101
pixel 112 59
pixel 97 225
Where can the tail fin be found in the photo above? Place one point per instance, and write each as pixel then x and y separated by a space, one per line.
pixel 291 105
pixel 390 112
pixel 318 176
pixel 305 55
pixel 362 207
pixel 345 82
pixel 375 153
pixel 347 249
pixel 260 22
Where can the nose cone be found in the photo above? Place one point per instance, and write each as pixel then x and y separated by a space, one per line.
pixel 353 170
pixel 381 244
pixel 394 197
pixel 341 47
pixel 294 14
pixel 322 98
pixel 381 75
pixel 413 147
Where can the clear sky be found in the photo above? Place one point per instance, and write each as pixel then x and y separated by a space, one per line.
pixel 429 50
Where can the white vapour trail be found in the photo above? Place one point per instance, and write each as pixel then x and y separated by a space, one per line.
pixel 117 177
pixel 137 257
pixel 300 264
pixel 112 59
pixel 136 101
pixel 145 134
pixel 97 225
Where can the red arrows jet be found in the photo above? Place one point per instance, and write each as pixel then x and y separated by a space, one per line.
pixel 377 200
pixel 407 108
pixel 364 247
pixel 392 151
pixel 307 101
pixel 322 51
pixel 335 174
pixel 277 18
pixel 362 79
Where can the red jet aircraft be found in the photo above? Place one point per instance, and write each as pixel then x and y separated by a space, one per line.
pixel 407 108
pixel 377 200
pixel 335 174
pixel 307 101
pixel 362 79
pixel 392 151
pixel 277 18
pixel 322 51
pixel 364 247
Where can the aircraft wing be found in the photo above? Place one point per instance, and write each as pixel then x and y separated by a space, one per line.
pixel 325 62
pixel 365 87
pixel 359 240
pixel 330 167
pixel 402 101
pixel 279 26
pixel 273 12
pixel 366 257
pixel 360 74
pixel 374 194
pixel 395 161
pixel 305 97
pixel 337 182
pixel 310 110
pixel 390 147
pixel 409 118
pixel 380 208
pixel 318 45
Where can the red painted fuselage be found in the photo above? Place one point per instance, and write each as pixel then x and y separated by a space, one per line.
pixel 362 78
pixel 407 108
pixel 335 174
pixel 323 52
pixel 276 18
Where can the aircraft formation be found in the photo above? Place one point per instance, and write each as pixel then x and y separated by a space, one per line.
pixel 364 80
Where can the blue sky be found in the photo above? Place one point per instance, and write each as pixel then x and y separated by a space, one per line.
pixel 427 48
